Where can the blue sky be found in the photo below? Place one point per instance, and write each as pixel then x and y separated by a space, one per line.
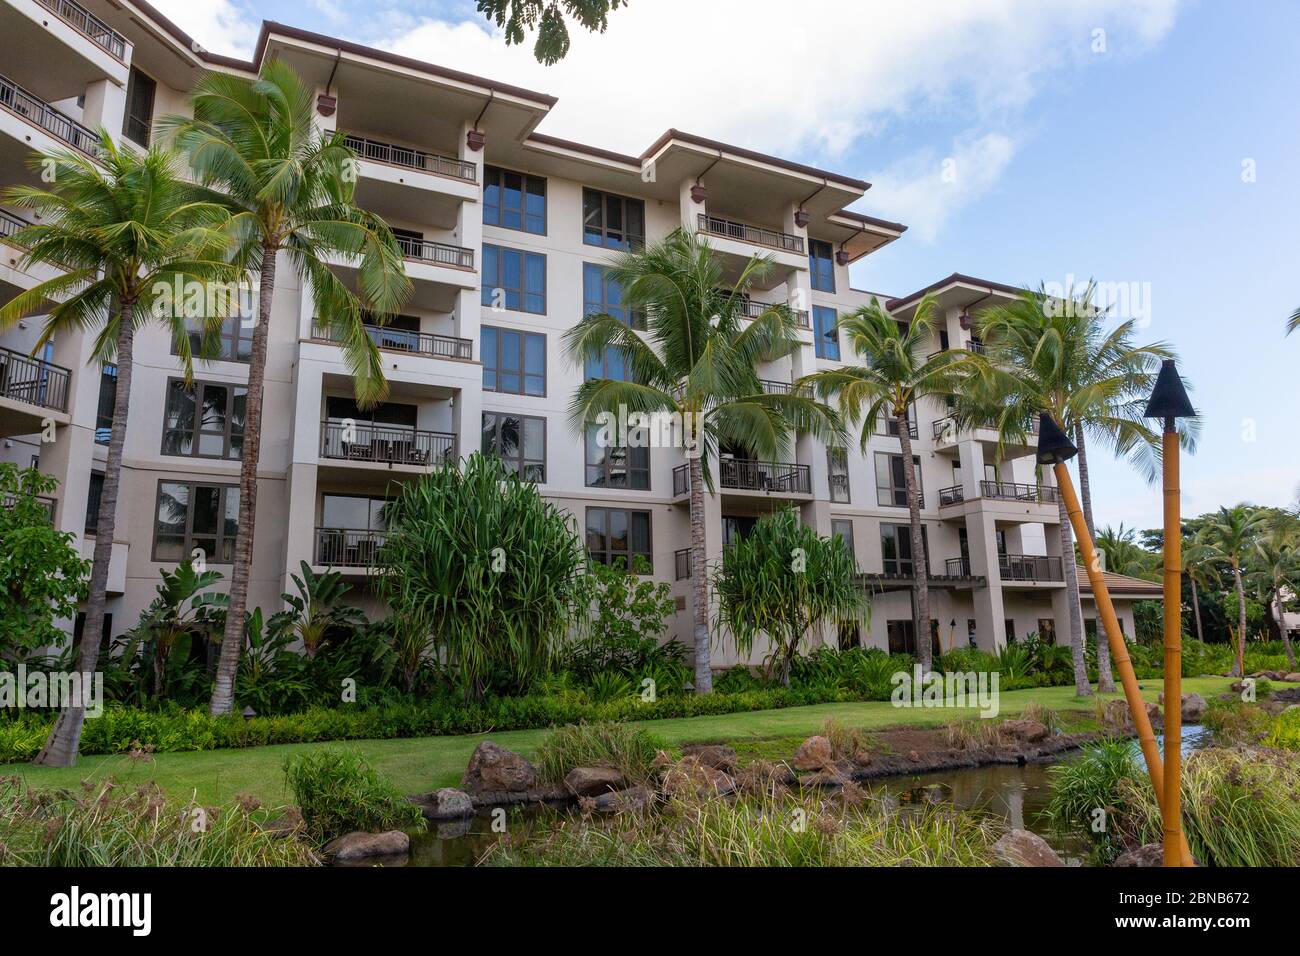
pixel 1112 139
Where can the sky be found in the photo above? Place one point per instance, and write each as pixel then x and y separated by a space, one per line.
pixel 1151 145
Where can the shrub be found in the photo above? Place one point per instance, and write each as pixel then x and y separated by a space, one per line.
pixel 1235 721
pixel 1286 731
pixel 111 825
pixel 1045 715
pixel 974 734
pixel 1092 782
pixel 338 792
pixel 627 748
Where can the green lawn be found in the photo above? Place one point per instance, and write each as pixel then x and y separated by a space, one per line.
pixel 425 763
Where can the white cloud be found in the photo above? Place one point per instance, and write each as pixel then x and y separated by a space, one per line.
pixel 218 25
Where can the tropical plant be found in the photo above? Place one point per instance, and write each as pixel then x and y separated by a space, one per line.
pixel 338 792
pixel 516 17
pixel 292 189
pixel 119 228
pixel 785 583
pixel 695 368
pixel 626 615
pixel 1124 555
pixel 1274 572
pixel 1088 783
pixel 1196 556
pixel 628 748
pixel 1044 354
pixel 896 374
pixel 318 610
pixel 272 678
pixel 1232 534
pixel 483 572
pixel 42 577
pixel 184 608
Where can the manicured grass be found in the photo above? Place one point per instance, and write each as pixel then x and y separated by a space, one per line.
pixel 425 763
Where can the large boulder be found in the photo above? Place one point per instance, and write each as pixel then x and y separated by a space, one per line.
pixel 1292 677
pixel 362 846
pixel 631 799
pixel 1029 731
pixel 690 776
pixel 590 781
pixel 1193 708
pixel 1153 854
pixel 815 753
pixel 445 804
pixel 1022 848
pixel 712 755
pixel 495 769
pixel 1117 715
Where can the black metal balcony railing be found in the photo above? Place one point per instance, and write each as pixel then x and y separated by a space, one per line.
pixel 348 547
pixel 403 340
pixel 9 225
pixel 386 444
pixel 744 232
pixel 439 253
pixel 951 495
pixel 776 388
pixel 957 568
pixel 740 474
pixel 889 427
pixel 682 564
pixel 752 310
pixel 7 501
pixel 1029 567
pixel 946 428
pixel 1016 491
pixel 410 158
pixel 33 381
pixel 18 101
pixel 83 21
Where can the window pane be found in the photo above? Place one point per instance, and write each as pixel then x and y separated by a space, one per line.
pixel 534 438
pixel 595 530
pixel 640 529
pixel 206 510
pixel 618 530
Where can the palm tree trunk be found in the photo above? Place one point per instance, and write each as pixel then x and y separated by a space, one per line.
pixel 1075 622
pixel 1281 626
pixel 1105 682
pixel 699 584
pixel 60 748
pixel 921 570
pixel 1240 668
pixel 232 642
pixel 1196 608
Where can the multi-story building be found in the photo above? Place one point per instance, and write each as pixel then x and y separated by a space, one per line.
pixel 507 233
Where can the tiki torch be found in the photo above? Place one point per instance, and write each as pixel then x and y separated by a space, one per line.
pixel 1169 402
pixel 1055 449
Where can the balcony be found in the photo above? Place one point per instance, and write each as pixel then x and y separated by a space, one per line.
pixel 1030 568
pixel 889 427
pixel 737 474
pixel 976 347
pixel 90 26
pixel 33 381
pixel 1015 491
pixel 775 388
pixel 945 430
pixel 951 495
pixel 403 340
pixel 754 235
pixel 437 253
pixel 16 100
pixel 347 547
pixel 752 310
pixel 386 444
pixel 410 158
pixel 9 225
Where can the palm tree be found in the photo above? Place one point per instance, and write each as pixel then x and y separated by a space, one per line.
pixel 292 188
pixel 116 227
pixel 1293 323
pixel 697 366
pixel 1043 354
pixel 1124 555
pixel 1232 533
pixel 1197 556
pixel 895 376
pixel 1274 570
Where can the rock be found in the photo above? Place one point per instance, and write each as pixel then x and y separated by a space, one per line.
pixel 452 829
pixel 590 781
pixel 1193 708
pixel 713 755
pixel 688 775
pixel 1117 715
pixel 1293 677
pixel 633 798
pixel 445 804
pixel 1153 854
pixel 1030 731
pixel 1022 848
pixel 493 768
pixel 360 846
pixel 815 753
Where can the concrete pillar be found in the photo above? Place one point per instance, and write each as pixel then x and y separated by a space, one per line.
pixel 690 209
pixel 105 105
pixel 981 537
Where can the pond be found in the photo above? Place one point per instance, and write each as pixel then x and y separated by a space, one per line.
pixel 1017 794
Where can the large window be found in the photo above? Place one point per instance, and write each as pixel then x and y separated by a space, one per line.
pixel 611 364
pixel 354 512
pixel 514 280
pixel 888 424
pixel 614 222
pixel 837 463
pixel 902 637
pixel 193 515
pixel 617 536
pixel 891 485
pixel 821 265
pixel 826 336
pixel 519 441
pixel 610 466
pixel 514 200
pixel 140 91
pixel 844 528
pixel 339 409
pixel 234 344
pixel 513 362
pixel 206 421
pixel 107 399
pixel 601 294
pixel 896 549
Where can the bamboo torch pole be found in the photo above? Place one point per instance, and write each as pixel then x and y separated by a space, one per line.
pixel 1171 810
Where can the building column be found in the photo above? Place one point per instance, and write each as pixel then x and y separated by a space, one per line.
pixel 990 617
pixel 105 105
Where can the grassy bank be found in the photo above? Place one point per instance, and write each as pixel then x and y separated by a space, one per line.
pixel 424 763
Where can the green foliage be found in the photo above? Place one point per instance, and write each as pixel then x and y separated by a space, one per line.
pixel 42 577
pixel 1285 734
pixel 108 825
pixel 1088 783
pixel 317 612
pixel 628 748
pixel 865 673
pixel 1235 721
pixel 782 582
pixel 517 17
pixel 481 572
pixel 1148 622
pixel 338 792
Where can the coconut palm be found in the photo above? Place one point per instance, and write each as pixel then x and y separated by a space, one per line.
pixel 1044 354
pixel 116 227
pixel 895 374
pixel 291 187
pixel 1293 323
pixel 696 365
pixel 1124 555
pixel 1197 565
pixel 1273 568
pixel 1232 533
